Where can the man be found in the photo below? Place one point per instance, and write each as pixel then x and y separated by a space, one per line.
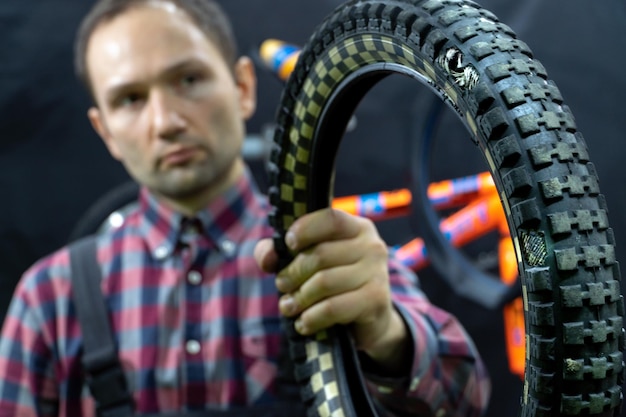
pixel 189 277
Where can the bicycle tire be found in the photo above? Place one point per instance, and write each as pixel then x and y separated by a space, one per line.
pixel 516 116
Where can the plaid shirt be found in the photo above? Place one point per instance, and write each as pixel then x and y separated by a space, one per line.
pixel 197 322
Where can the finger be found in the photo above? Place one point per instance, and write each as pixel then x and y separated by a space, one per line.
pixel 265 255
pixel 310 261
pixel 324 225
pixel 324 284
pixel 344 308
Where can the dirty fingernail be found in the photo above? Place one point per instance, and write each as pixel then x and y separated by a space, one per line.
pixel 282 284
pixel 287 305
pixel 290 240
pixel 299 326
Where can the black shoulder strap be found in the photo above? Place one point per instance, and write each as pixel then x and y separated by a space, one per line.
pixel 100 361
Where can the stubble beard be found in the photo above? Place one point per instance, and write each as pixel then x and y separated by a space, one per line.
pixel 190 182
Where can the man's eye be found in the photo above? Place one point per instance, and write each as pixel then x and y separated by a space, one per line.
pixel 189 80
pixel 129 99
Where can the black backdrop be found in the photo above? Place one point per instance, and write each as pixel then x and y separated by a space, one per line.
pixel 53 167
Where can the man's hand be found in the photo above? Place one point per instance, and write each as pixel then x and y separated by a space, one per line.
pixel 339 275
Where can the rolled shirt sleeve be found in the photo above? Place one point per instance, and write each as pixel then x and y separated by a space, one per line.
pixel 447 375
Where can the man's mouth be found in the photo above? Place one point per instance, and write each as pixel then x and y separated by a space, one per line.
pixel 181 156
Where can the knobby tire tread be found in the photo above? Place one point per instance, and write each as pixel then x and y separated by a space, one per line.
pixel 557 217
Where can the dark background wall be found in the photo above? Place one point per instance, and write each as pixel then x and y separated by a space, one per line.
pixel 53 167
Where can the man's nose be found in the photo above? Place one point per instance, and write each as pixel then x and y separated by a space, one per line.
pixel 167 120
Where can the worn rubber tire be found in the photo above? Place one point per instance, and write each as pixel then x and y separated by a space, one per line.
pixel 519 122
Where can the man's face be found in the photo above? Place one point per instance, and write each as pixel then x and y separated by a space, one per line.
pixel 169 107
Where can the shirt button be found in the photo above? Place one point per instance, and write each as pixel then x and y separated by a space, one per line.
pixel 161 252
pixel 228 247
pixel 116 219
pixel 194 277
pixel 192 347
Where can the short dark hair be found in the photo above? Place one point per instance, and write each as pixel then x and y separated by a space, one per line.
pixel 207 14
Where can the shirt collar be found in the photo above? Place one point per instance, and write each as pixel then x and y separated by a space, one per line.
pixel 224 221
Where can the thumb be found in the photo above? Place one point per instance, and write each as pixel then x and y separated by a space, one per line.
pixel 265 255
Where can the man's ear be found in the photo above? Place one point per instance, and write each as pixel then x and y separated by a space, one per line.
pixel 95 117
pixel 245 77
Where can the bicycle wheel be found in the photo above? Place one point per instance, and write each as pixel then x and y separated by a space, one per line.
pixel 121 199
pixel 517 118
pixel 454 266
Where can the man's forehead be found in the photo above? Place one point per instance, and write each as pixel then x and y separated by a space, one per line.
pixel 131 53
pixel 144 36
